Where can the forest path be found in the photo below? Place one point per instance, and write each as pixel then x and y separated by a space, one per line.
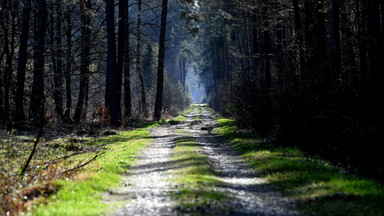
pixel 148 190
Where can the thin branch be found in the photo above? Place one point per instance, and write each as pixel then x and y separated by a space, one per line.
pixel 84 164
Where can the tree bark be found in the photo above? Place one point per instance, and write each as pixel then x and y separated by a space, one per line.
pixel 361 17
pixel 36 110
pixel 126 63
pixel 335 43
pixel 138 63
pixel 123 6
pixel 111 98
pixel 85 58
pixel 22 61
pixel 375 43
pixel 58 77
pixel 9 48
pixel 267 60
pixel 160 70
pixel 299 32
pixel 68 56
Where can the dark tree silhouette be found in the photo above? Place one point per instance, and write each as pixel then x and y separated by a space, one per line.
pixel 112 75
pixel 36 110
pixel 22 61
pixel 85 58
pixel 160 70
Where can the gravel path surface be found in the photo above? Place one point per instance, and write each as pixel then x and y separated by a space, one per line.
pixel 249 195
pixel 147 189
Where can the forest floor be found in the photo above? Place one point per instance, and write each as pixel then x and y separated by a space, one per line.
pixel 189 170
pixel 196 164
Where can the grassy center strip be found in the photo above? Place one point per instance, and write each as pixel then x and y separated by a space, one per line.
pixel 318 186
pixel 196 180
pixel 81 194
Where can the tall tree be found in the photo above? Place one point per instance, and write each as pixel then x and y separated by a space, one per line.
pixel 9 29
pixel 68 64
pixel 21 63
pixel 299 32
pixel 335 42
pixel 126 64
pixel 143 101
pixel 86 6
pixel 111 98
pixel 58 63
pixel 375 44
pixel 160 68
pixel 36 110
pixel 123 7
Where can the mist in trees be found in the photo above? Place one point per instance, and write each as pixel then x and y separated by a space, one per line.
pixel 304 73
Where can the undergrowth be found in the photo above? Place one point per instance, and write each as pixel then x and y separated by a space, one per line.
pixel 319 187
pixel 81 195
pixel 56 182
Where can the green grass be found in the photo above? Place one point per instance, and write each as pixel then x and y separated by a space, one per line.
pixel 81 195
pixel 194 176
pixel 180 118
pixel 318 186
pixel 183 116
pixel 199 115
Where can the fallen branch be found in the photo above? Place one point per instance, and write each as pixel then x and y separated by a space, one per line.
pixel 56 160
pixel 83 165
pixel 39 135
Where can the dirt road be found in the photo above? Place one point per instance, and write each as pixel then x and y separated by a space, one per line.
pixel 147 189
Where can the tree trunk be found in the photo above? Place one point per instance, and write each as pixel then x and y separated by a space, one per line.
pixel 85 58
pixel 280 55
pixel 68 56
pixel 299 32
pixel 160 70
pixel 375 48
pixel 361 22
pixel 183 71
pixel 22 61
pixel 123 6
pixel 36 110
pixel 335 43
pixel 138 63
pixel 9 52
pixel 126 63
pixel 267 60
pixel 111 97
pixel 58 77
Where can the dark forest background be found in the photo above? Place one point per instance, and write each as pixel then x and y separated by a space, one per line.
pixel 305 73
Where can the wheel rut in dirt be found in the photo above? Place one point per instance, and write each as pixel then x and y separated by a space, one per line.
pixel 247 193
pixel 148 189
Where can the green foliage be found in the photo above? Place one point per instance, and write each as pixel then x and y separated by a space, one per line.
pixel 317 185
